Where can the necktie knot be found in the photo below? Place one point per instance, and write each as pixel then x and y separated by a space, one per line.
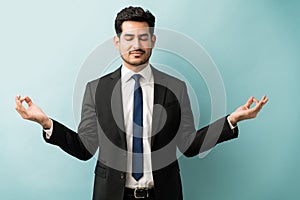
pixel 136 77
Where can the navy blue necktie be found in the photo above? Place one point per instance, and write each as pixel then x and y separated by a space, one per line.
pixel 137 145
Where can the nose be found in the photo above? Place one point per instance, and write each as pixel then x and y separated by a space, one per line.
pixel 136 44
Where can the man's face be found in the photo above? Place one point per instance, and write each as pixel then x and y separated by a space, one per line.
pixel 135 44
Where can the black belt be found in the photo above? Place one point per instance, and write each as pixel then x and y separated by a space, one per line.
pixel 139 193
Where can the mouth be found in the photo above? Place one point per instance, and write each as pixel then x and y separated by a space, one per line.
pixel 136 53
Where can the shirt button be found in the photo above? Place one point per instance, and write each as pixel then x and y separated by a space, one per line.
pixel 122 176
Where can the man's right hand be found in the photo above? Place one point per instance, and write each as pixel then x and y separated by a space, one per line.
pixel 33 112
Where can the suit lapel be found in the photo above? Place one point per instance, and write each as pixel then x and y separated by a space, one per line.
pixel 117 104
pixel 110 108
pixel 160 85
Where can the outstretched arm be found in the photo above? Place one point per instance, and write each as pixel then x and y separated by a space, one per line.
pixel 67 139
pixel 220 130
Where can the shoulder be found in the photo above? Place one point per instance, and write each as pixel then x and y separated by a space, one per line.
pixel 104 78
pixel 163 77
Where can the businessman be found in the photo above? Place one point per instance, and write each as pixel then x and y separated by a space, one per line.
pixel 137 117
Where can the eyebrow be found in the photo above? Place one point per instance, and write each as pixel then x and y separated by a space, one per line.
pixel 144 34
pixel 128 34
pixel 131 35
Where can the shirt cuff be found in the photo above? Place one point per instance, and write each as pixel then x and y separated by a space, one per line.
pixel 49 131
pixel 231 126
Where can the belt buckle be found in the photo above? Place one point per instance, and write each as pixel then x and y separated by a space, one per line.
pixel 141 193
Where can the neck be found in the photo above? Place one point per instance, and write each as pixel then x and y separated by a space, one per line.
pixel 135 68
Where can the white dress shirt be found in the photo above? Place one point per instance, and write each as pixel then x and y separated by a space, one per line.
pixel 147 84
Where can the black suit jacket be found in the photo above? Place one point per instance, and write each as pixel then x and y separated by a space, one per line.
pixel 102 126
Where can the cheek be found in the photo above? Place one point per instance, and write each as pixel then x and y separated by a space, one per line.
pixel 124 49
pixel 146 45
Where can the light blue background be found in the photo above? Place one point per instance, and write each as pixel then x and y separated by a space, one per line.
pixel 255 45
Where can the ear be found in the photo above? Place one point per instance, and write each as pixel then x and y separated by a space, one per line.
pixel 153 39
pixel 116 41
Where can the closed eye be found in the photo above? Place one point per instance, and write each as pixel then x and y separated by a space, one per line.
pixel 144 37
pixel 128 37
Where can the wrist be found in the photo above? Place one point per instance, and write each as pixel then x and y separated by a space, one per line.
pixel 46 123
pixel 232 120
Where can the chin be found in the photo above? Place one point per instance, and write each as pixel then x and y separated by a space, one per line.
pixel 138 63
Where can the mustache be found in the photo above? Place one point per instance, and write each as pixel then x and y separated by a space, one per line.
pixel 137 51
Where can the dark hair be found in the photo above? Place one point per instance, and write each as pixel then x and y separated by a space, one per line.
pixel 134 14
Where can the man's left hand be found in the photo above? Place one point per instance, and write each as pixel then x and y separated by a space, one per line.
pixel 245 112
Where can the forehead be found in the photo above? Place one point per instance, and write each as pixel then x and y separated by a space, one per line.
pixel 133 27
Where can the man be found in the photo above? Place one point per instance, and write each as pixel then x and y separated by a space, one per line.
pixel 137 116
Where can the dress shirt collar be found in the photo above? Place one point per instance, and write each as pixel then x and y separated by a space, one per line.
pixel 126 73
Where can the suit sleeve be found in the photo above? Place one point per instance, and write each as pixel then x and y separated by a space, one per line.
pixel 83 144
pixel 192 141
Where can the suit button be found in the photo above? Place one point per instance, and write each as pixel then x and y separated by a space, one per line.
pixel 122 176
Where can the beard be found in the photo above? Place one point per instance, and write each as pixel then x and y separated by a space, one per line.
pixel 137 63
